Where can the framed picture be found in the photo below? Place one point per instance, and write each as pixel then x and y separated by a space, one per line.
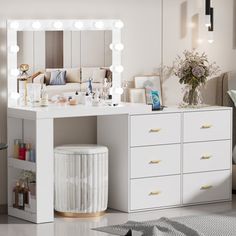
pixel 151 82
pixel 137 95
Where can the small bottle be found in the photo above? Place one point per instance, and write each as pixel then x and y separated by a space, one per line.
pixel 15 195
pixel 27 195
pixel 27 152
pixel 32 155
pixel 22 151
pixel 16 148
pixel 21 196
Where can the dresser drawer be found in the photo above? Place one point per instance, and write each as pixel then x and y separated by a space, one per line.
pixel 205 187
pixel 215 155
pixel 155 129
pixel 155 192
pixel 155 161
pixel 207 125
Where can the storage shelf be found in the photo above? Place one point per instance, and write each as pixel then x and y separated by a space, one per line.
pixel 20 164
pixel 29 216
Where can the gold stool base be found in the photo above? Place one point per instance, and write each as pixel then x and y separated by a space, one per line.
pixel 80 215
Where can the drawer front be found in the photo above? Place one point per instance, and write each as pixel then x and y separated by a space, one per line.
pixel 155 192
pixel 215 155
pixel 207 125
pixel 206 187
pixel 155 129
pixel 155 161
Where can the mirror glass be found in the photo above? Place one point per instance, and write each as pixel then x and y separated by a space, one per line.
pixel 83 54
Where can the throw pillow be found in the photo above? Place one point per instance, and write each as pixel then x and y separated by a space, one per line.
pixel 58 77
pixel 99 75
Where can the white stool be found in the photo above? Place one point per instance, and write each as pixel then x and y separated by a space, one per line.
pixel 81 180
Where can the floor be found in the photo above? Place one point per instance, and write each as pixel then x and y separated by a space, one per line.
pixel 10 226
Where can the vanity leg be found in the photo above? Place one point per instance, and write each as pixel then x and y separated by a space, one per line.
pixel 44 170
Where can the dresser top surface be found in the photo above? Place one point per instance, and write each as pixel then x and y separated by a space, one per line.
pixel 63 111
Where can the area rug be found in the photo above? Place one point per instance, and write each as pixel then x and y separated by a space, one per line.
pixel 223 224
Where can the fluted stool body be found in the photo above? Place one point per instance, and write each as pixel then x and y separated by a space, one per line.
pixel 81 180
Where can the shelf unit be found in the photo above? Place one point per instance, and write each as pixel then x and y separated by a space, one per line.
pixel 32 131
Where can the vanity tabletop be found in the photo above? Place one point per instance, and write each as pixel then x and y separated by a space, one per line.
pixel 65 110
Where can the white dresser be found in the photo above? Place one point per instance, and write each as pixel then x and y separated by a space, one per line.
pixel 169 158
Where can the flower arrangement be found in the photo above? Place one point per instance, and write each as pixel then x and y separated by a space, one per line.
pixel 193 70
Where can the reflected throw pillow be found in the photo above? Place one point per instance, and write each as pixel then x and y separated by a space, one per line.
pixel 58 77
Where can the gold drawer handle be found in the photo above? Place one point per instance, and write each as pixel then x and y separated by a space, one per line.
pixel 206 187
pixel 154 130
pixel 206 126
pixel 154 162
pixel 154 193
pixel 206 157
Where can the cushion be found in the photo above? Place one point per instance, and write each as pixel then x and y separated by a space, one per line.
pixel 95 73
pixel 72 74
pixel 58 77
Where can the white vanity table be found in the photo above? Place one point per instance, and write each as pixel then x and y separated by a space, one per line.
pixel 168 158
pixel 159 159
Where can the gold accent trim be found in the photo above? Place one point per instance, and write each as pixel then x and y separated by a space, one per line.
pixel 154 162
pixel 206 157
pixel 154 130
pixel 206 187
pixel 206 126
pixel 80 215
pixel 154 193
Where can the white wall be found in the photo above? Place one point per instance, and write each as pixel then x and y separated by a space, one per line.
pixel 145 43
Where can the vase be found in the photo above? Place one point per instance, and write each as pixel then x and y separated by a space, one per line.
pixel 192 96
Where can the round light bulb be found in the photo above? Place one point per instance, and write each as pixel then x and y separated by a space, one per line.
pixel 14 25
pixel 78 25
pixel 118 69
pixel 58 24
pixel 99 25
pixel 117 47
pixel 14 48
pixel 119 91
pixel 15 72
pixel 119 24
pixel 36 25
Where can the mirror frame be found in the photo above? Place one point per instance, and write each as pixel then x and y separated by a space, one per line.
pixel 115 25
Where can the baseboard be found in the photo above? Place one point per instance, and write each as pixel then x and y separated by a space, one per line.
pixel 3 209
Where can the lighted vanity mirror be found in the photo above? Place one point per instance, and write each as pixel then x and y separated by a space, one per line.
pixel 84 48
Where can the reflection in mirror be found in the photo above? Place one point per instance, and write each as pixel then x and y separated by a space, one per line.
pixel 82 54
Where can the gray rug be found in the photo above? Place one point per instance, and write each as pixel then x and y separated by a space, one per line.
pixel 223 224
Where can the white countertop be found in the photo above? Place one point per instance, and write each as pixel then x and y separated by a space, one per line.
pixel 63 111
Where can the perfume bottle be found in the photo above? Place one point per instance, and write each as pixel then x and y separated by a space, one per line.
pixel 22 151
pixel 27 152
pixel 21 193
pixel 15 195
pixel 17 143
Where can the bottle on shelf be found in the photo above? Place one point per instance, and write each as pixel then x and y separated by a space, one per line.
pixel 27 151
pixel 21 196
pixel 15 195
pixel 17 143
pixel 22 151
pixel 27 195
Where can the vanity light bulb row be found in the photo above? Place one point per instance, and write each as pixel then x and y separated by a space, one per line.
pixel 58 25
pixel 117 47
pixel 36 25
pixel 14 49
